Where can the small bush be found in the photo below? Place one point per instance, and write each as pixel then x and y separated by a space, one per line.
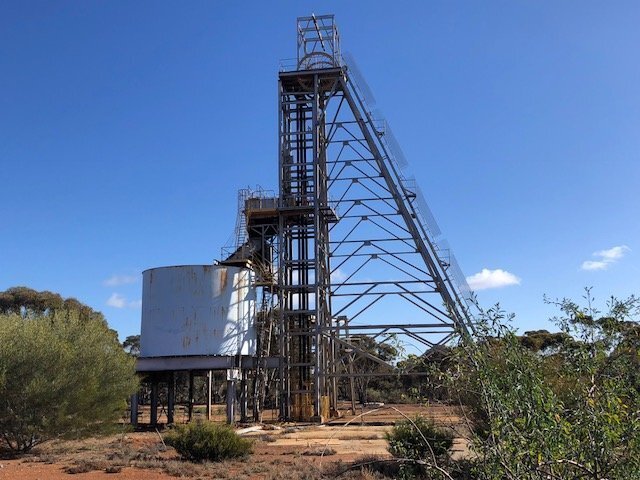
pixel 418 440
pixel 319 452
pixel 407 439
pixel 369 467
pixel 84 466
pixel 208 441
pixel 185 469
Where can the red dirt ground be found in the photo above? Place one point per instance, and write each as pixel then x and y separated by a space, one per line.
pixel 281 451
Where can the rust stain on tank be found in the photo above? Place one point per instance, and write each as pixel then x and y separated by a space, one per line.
pixel 223 278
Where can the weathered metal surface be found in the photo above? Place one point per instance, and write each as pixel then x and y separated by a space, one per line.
pixel 198 310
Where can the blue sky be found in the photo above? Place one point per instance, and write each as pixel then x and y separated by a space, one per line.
pixel 126 129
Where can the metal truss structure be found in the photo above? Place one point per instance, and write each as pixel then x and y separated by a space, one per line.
pixel 348 248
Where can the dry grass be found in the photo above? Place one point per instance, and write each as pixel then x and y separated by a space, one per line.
pixel 364 474
pixel 319 452
pixel 86 465
pixel 364 468
pixel 371 436
pixel 188 469
pixel 145 451
pixel 296 471
pixel 40 458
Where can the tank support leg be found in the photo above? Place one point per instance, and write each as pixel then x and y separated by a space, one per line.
pixel 154 403
pixel 134 409
pixel 231 401
pixel 243 397
pixel 171 397
pixel 209 392
pixel 190 410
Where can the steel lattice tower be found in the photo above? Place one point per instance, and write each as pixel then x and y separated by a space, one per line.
pixel 353 232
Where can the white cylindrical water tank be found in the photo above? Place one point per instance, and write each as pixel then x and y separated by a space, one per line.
pixel 198 310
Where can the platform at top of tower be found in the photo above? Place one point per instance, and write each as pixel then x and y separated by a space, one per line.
pixel 265 210
pixel 301 81
pixel 261 211
pixel 261 206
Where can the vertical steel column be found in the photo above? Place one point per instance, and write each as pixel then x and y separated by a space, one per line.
pixel 317 221
pixel 283 342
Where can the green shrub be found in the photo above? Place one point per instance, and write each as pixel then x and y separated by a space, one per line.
pixel 63 373
pixel 208 441
pixel 417 439
pixel 571 413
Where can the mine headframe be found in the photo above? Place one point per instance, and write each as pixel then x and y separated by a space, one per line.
pixel 353 231
pixel 349 247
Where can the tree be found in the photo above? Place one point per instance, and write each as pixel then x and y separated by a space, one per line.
pixel 131 345
pixel 370 357
pixel 29 303
pixel 63 372
pixel 543 341
pixel 603 404
pixel 422 380
pixel 578 418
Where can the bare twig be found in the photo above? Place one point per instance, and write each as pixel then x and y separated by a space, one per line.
pixel 161 439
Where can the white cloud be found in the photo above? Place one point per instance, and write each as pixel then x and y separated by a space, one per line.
pixel 605 258
pixel 117 300
pixel 497 278
pixel 135 304
pixel 614 253
pixel 338 276
pixel 594 265
pixel 117 280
